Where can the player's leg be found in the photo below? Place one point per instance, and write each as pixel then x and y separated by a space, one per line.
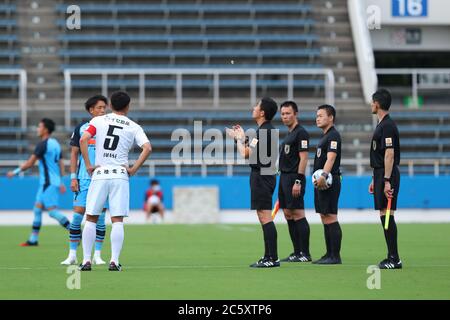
pixel 334 238
pixel 292 234
pixel 119 201
pixel 289 219
pixel 326 203
pixel 161 210
pixel 33 239
pixel 393 259
pixel 117 237
pixel 270 258
pixel 96 198
pixel 74 235
pixel 262 188
pixel 302 233
pixel 100 232
pixel 51 200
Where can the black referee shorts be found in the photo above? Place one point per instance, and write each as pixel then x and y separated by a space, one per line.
pixel 261 190
pixel 287 201
pixel 380 200
pixel 326 201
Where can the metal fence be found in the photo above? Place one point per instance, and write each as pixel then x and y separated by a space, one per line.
pixel 22 74
pixel 180 73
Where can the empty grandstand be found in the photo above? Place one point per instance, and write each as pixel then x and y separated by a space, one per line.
pixel 241 49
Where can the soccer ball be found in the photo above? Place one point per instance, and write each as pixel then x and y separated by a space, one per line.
pixel 316 175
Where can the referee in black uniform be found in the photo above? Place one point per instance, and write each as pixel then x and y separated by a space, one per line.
pixel 262 157
pixel 293 160
pixel 328 158
pixel 384 159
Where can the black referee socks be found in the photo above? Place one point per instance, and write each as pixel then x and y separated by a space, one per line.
pixel 326 234
pixel 301 228
pixel 294 235
pixel 335 234
pixel 270 239
pixel 391 236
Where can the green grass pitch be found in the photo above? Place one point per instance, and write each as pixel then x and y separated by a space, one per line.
pixel 211 262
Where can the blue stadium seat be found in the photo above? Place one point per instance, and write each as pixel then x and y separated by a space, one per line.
pixel 8 8
pixel 12 130
pixel 425 155
pixel 4 23
pixel 186 38
pixel 6 84
pixel 418 115
pixel 184 8
pixel 148 53
pixel 185 66
pixel 139 23
pixel 423 128
pixel 14 143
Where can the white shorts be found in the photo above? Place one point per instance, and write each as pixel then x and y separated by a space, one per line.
pixel 117 191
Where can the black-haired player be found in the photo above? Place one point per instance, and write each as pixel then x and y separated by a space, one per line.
pixel 262 156
pixel 384 159
pixel 293 160
pixel 326 198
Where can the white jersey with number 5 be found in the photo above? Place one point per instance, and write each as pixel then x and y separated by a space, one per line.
pixel 115 136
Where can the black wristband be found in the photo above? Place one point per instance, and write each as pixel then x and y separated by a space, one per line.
pixel 325 175
pixel 387 179
pixel 300 176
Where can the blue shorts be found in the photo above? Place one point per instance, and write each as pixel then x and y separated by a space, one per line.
pixel 80 197
pixel 48 197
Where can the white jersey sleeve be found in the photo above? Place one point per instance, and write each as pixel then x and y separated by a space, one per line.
pixel 140 138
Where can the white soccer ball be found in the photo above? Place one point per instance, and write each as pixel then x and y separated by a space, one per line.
pixel 316 175
pixel 153 200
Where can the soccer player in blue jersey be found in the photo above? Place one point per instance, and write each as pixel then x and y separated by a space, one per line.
pixel 51 169
pixel 80 181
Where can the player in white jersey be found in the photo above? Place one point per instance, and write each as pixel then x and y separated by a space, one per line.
pixel 115 135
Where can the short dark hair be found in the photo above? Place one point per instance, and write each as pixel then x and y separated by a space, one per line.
pixel 289 103
pixel 120 100
pixel 331 111
pixel 49 124
pixel 269 106
pixel 92 101
pixel 383 97
pixel 154 182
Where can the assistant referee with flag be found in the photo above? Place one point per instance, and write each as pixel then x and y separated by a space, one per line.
pixel 384 159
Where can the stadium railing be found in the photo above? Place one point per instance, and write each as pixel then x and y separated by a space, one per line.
pixel 22 84
pixel 417 79
pixel 216 73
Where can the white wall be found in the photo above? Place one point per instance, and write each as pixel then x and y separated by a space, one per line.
pixel 438 13
pixel 392 38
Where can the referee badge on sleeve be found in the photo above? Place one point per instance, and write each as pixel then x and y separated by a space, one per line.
pixel 333 145
pixel 287 148
pixel 304 144
pixel 253 143
pixel 388 142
